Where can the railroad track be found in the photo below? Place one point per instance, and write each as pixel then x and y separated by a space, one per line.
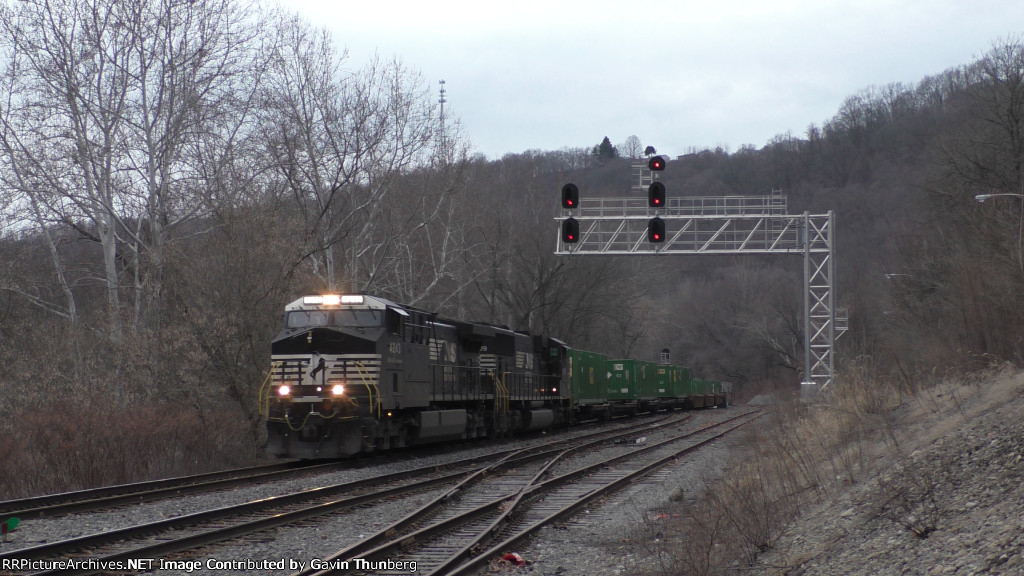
pixel 54 505
pixel 119 548
pixel 562 497
pixel 446 538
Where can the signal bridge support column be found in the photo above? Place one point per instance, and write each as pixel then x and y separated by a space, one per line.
pixel 726 225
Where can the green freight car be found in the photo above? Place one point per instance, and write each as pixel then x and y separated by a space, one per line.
pixel 623 389
pixel 708 393
pixel 674 387
pixel 698 395
pixel 649 387
pixel 588 382
pixel 711 393
pixel 601 388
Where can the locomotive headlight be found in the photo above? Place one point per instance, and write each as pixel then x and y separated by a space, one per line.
pixel 337 389
pixel 284 390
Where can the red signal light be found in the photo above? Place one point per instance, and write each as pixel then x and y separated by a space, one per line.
pixel 656 163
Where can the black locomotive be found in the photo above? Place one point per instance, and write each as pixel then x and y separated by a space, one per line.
pixel 355 373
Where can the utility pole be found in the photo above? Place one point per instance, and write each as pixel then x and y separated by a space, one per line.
pixel 441 101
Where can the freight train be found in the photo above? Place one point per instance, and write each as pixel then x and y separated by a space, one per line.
pixel 355 373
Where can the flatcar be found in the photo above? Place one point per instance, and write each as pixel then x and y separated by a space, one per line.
pixel 355 373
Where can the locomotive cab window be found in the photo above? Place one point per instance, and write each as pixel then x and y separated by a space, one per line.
pixel 340 318
pixel 308 319
pixel 396 321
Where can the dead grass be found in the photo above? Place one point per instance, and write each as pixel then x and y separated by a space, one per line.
pixel 798 456
pixel 71 447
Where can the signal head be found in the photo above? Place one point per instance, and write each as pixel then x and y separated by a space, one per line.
pixel 570 231
pixel 656 195
pixel 570 196
pixel 656 230
pixel 656 163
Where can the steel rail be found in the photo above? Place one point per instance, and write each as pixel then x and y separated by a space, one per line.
pixel 395 538
pixel 407 529
pixel 476 560
pixel 51 505
pixel 470 467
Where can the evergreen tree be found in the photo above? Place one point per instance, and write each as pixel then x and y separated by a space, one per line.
pixel 605 150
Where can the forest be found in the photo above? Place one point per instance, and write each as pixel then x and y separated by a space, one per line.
pixel 173 173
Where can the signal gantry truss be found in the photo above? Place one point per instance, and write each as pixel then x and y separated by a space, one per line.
pixel 726 225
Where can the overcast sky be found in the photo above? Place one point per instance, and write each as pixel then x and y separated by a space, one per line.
pixel 546 74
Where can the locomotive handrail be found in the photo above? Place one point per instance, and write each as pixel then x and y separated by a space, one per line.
pixel 368 382
pixel 263 396
pixel 504 396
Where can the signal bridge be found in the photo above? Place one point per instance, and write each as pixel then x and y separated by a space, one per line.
pixel 721 225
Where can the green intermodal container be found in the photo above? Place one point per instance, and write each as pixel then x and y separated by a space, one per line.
pixel 664 381
pixel 622 380
pixel 588 378
pixel 647 379
pixel 682 383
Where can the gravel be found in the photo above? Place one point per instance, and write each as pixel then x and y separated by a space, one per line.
pixel 319 538
pixel 603 541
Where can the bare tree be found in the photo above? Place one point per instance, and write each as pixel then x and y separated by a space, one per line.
pixel 432 245
pixel 632 148
pixel 518 281
pixel 107 105
pixel 195 69
pixel 988 154
pixel 337 141
pixel 959 287
pixel 63 121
